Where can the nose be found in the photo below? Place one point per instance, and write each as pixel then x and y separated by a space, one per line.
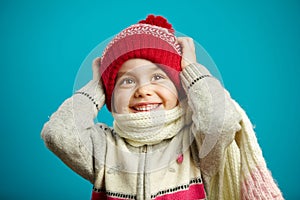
pixel 143 91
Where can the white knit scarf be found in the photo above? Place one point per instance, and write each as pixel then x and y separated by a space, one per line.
pixel 149 128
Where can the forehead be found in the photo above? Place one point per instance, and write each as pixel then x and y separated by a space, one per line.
pixel 137 64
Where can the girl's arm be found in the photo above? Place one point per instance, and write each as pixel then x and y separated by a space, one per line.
pixel 214 116
pixel 232 163
pixel 71 133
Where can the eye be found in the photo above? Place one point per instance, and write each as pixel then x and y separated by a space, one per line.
pixel 127 81
pixel 157 77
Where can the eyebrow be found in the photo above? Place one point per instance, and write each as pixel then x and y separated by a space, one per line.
pixel 151 69
pixel 120 74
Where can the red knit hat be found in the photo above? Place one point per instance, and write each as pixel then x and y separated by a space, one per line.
pixel 151 39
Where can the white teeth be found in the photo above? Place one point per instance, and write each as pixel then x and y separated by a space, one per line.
pixel 146 107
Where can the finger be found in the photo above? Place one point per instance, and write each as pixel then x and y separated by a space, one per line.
pixel 182 41
pixel 95 68
pixel 186 43
pixel 188 51
pixel 190 43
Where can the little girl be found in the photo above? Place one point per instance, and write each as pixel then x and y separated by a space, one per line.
pixel 177 134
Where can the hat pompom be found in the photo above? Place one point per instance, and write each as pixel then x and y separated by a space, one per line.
pixel 158 21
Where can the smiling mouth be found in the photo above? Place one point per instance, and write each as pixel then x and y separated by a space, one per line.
pixel 145 107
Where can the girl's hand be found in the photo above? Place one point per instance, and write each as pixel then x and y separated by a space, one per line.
pixel 96 68
pixel 188 51
pixel 96 73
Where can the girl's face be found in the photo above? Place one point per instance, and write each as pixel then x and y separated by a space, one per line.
pixel 141 86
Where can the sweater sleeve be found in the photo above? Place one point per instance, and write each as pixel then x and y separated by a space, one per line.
pixel 214 116
pixel 72 135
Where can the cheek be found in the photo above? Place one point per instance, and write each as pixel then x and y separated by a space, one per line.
pixel 169 94
pixel 172 101
pixel 121 101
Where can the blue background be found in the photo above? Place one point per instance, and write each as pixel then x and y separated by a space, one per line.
pixel 255 45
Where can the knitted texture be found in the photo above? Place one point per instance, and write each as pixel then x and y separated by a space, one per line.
pixel 149 127
pixel 216 115
pixel 233 169
pixel 226 183
pixel 94 98
pixel 243 173
pixel 151 39
pixel 256 179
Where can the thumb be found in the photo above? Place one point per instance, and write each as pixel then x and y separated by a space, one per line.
pixel 96 68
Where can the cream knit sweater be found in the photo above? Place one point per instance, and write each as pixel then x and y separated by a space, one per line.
pixel 231 162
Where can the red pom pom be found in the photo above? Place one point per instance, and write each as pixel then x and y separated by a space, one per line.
pixel 158 21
